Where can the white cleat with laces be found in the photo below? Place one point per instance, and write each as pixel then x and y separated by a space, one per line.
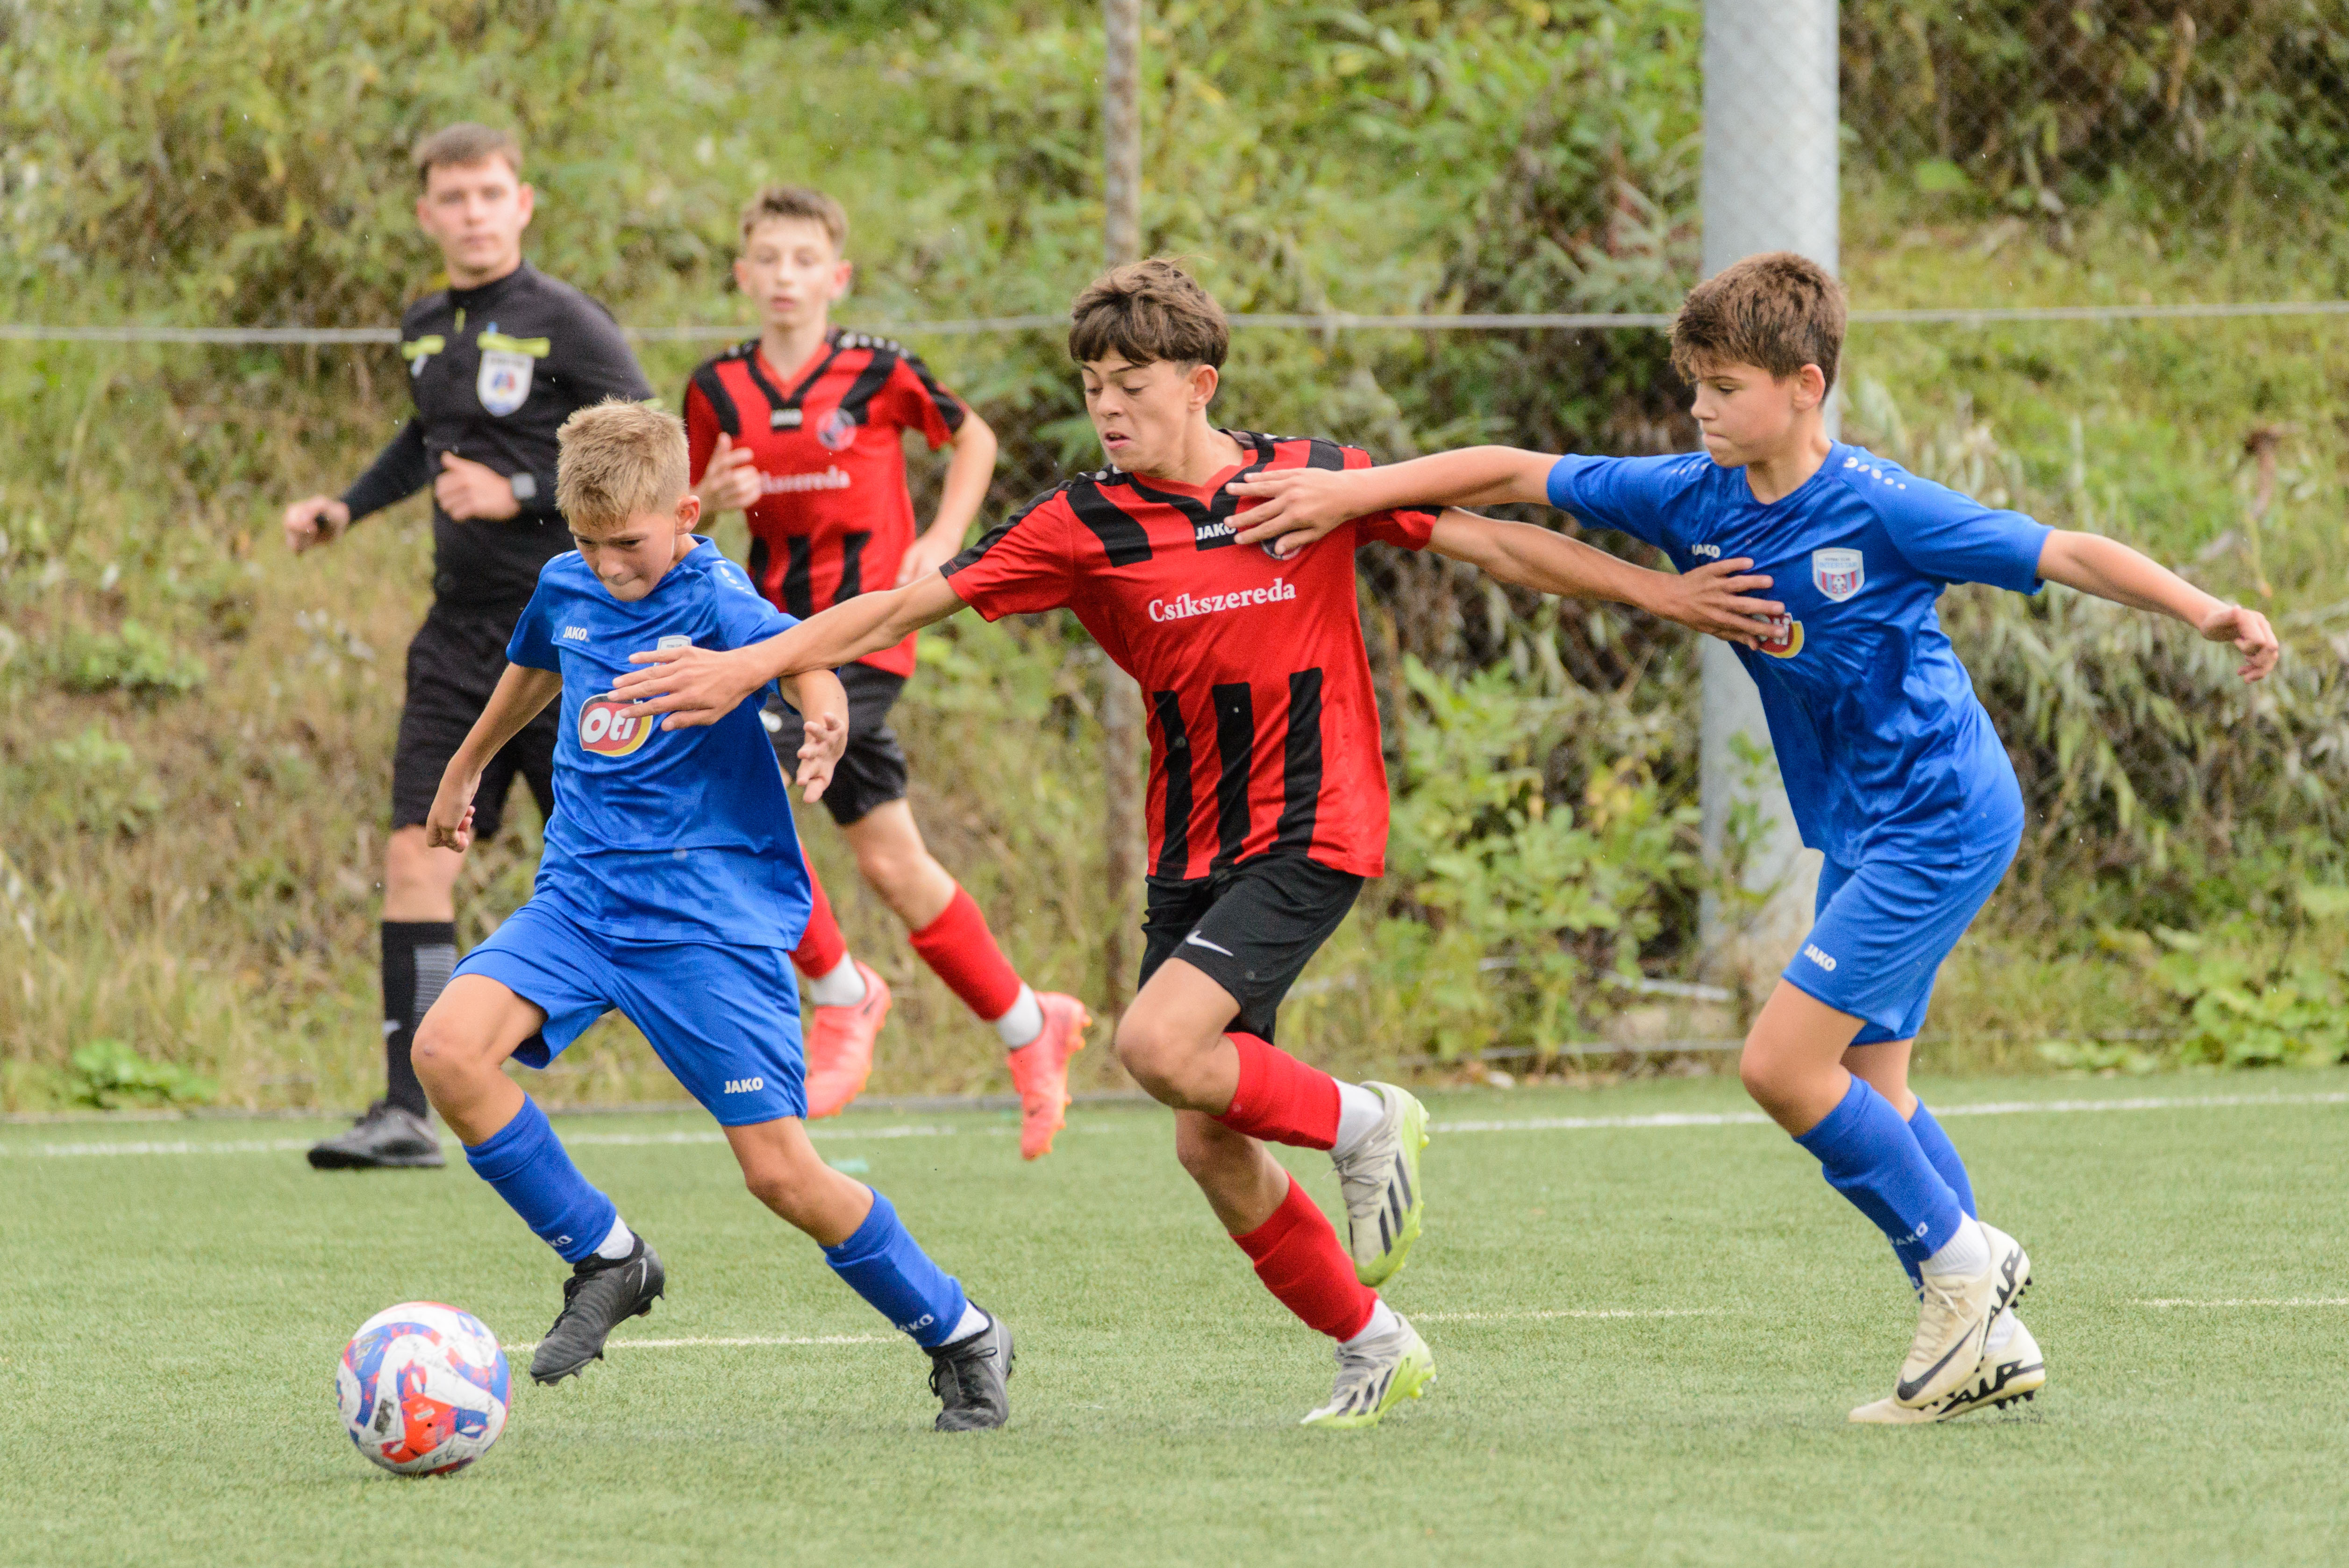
pixel 1955 1314
pixel 1375 1378
pixel 2012 1370
pixel 1380 1182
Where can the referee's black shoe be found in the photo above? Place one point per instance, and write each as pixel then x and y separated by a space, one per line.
pixel 601 1294
pixel 968 1377
pixel 385 1137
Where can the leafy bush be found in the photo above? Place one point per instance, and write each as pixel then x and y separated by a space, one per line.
pixel 111 1076
pixel 136 660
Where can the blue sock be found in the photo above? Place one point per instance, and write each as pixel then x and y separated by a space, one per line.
pixel 527 1164
pixel 883 1263
pixel 1870 1156
pixel 1944 1155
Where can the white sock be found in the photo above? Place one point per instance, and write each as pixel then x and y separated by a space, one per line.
pixel 1023 1023
pixel 971 1321
pixel 620 1243
pixel 1382 1321
pixel 842 987
pixel 1965 1253
pixel 1360 1111
pixel 2002 1333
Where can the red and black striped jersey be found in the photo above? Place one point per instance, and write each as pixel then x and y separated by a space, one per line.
pixel 1264 733
pixel 835 519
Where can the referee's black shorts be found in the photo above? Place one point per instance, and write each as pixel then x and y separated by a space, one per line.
pixel 872 771
pixel 1251 928
pixel 454 665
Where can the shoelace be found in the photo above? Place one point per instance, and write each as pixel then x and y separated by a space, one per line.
pixel 1928 1327
pixel 953 1366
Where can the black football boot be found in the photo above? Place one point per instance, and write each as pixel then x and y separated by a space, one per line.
pixel 967 1375
pixel 385 1138
pixel 601 1294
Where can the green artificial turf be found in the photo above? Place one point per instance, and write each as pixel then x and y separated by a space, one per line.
pixel 171 1320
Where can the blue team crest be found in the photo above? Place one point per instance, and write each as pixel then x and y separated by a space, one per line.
pixel 1837 574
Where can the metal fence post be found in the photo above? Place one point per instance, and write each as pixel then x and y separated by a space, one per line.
pixel 1770 183
pixel 1122 724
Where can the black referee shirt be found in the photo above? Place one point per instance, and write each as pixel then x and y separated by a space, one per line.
pixel 495 371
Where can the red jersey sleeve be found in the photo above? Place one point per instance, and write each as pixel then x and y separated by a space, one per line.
pixel 1407 527
pixel 701 432
pixel 913 400
pixel 1021 567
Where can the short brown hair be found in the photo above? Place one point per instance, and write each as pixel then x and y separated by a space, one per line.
pixel 464 143
pixel 1147 312
pixel 797 201
pixel 618 459
pixel 1777 310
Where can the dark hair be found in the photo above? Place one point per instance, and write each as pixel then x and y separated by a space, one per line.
pixel 464 143
pixel 1777 310
pixel 796 202
pixel 1147 312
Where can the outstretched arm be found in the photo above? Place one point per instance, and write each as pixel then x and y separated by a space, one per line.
pixel 2111 569
pixel 1714 599
pixel 702 686
pixel 522 692
pixel 1306 503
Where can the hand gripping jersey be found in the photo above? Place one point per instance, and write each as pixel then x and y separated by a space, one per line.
pixel 495 371
pixel 1263 735
pixel 1881 741
pixel 677 835
pixel 835 519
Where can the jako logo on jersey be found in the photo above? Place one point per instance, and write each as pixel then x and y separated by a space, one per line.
pixel 837 431
pixel 1705 552
pixel 1811 952
pixel 611 727
pixel 574 634
pixel 1837 574
pixel 1785 638
pixel 745 1085
pixel 832 478
pixel 1183 606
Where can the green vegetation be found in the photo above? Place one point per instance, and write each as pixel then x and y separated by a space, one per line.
pixel 2168 1434
pixel 192 782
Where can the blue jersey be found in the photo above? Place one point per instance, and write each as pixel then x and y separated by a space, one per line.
pixel 1881 741
pixel 680 835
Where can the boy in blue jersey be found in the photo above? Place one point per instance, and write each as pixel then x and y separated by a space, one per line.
pixel 671 888
pixel 1890 763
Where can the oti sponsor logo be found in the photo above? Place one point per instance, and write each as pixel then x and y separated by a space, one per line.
pixel 611 727
pixel 1784 638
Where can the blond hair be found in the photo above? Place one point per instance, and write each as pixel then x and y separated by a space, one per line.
pixel 619 459
pixel 461 145
pixel 797 201
pixel 1145 312
pixel 1777 310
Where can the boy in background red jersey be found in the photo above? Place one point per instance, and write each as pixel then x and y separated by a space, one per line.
pixel 1267 798
pixel 801 428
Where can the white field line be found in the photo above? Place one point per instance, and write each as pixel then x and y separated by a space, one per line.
pixel 1575 1312
pixel 698 1343
pixel 1523 1124
pixel 2246 1301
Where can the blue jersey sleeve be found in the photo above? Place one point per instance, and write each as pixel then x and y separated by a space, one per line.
pixel 1946 534
pixel 532 643
pixel 1629 495
pixel 744 617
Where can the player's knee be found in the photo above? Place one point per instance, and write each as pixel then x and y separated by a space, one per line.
pixel 1146 1049
pixel 445 1055
pixel 1763 1074
pixel 785 1191
pixel 893 873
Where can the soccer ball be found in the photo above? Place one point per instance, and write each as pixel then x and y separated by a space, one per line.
pixel 424 1389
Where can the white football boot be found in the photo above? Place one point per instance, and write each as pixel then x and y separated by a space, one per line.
pixel 1374 1379
pixel 1954 1318
pixel 2015 1370
pixel 1380 1182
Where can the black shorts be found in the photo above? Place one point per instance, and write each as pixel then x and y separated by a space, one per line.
pixel 1250 928
pixel 872 771
pixel 454 665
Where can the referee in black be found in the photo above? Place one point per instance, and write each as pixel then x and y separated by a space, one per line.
pixel 496 362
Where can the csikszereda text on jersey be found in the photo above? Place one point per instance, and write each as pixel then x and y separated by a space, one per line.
pixel 834 518
pixel 661 835
pixel 1883 746
pixel 494 371
pixel 1264 732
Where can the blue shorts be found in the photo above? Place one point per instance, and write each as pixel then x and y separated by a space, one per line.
pixel 725 1020
pixel 1882 931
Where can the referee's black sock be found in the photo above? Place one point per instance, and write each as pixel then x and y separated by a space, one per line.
pixel 418 955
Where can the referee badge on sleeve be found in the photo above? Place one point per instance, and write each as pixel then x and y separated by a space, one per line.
pixel 1837 574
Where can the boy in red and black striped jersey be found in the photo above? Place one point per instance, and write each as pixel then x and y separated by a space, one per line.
pixel 1268 794
pixel 802 428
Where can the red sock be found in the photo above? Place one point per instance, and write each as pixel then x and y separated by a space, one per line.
pixel 821 949
pixel 960 949
pixel 1297 1255
pixel 1280 1099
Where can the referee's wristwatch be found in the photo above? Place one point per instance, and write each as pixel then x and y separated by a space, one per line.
pixel 525 485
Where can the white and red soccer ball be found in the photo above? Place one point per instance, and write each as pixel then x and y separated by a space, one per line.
pixel 424 1389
